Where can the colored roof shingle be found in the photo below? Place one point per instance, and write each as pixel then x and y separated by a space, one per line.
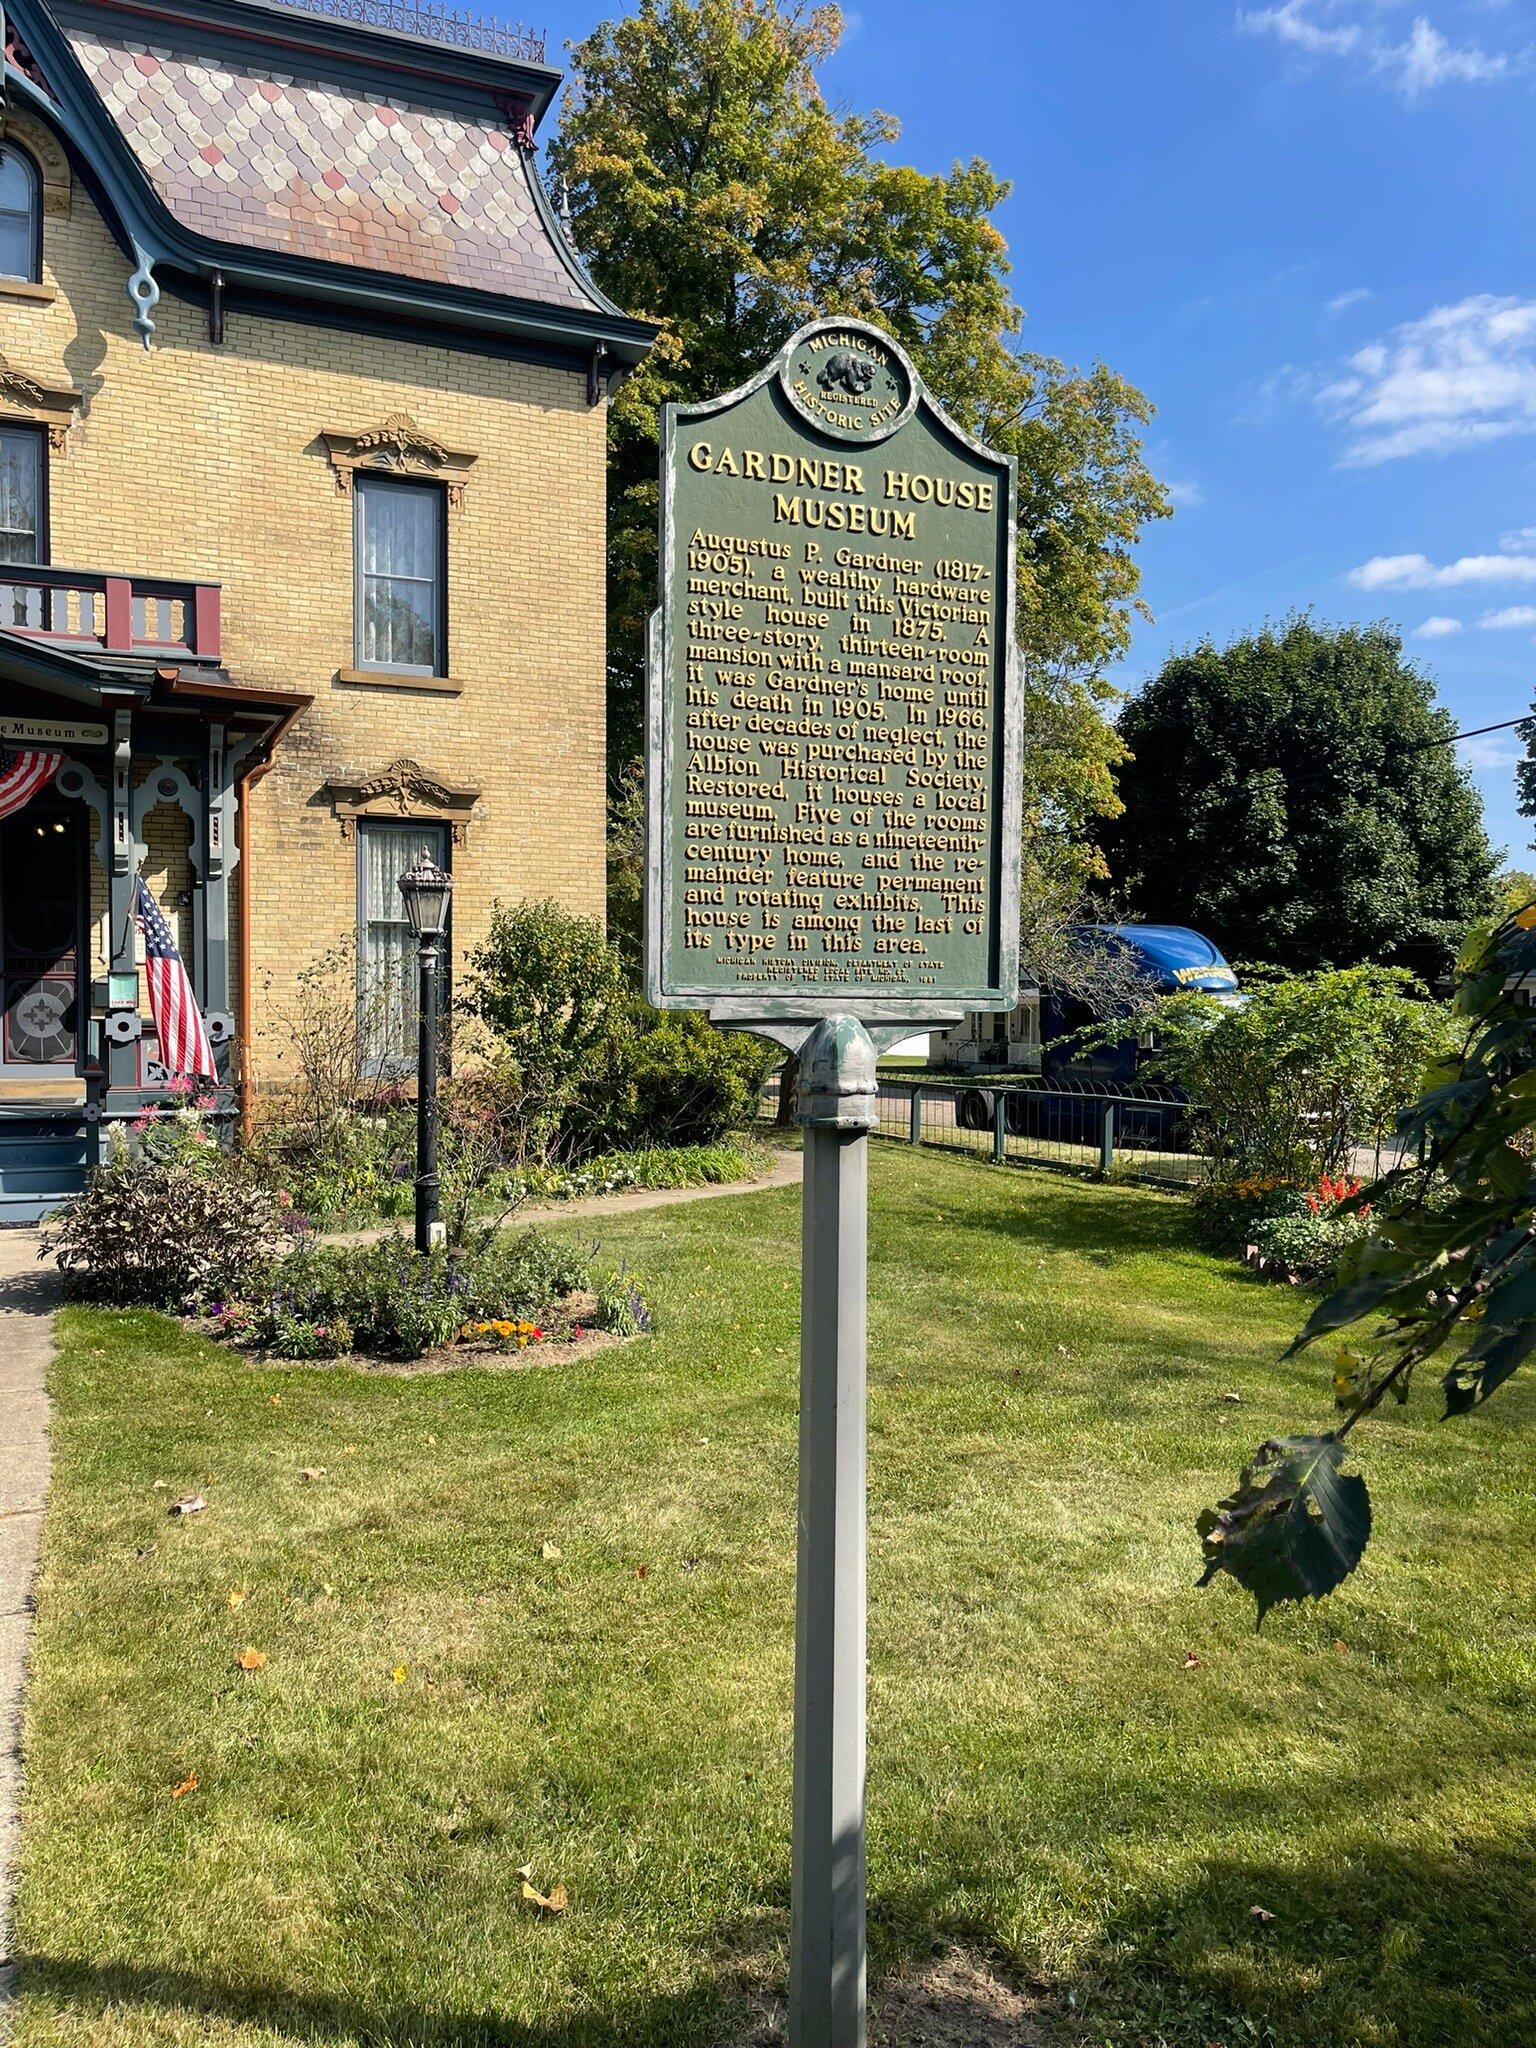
pixel 307 167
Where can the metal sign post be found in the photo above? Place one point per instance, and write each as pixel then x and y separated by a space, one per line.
pixel 826 1946
pixel 833 818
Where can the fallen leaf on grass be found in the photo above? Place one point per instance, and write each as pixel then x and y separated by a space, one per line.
pixel 189 1504
pixel 251 1659
pixel 552 1902
pixel 188 1784
pixel 1191 1661
pixel 161 1485
pixel 274 1400
pixel 642 1571
pixel 550 1553
pixel 1235 1399
pixel 401 1673
pixel 312 1472
pixel 238 1596
pixel 1260 1913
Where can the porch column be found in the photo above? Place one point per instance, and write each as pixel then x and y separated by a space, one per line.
pixel 122 1061
pixel 218 839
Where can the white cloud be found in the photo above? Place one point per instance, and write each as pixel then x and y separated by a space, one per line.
pixel 1437 628
pixel 1413 65
pixel 1185 495
pixel 1417 572
pixel 1491 750
pixel 1344 300
pixel 1512 618
pixel 1460 376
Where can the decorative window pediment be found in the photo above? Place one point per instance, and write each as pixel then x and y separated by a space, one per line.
pixel 402 790
pixel 52 405
pixel 398 447
pixel 39 140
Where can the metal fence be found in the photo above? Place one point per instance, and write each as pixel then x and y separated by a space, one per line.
pixel 1145 1131
pixel 1142 1131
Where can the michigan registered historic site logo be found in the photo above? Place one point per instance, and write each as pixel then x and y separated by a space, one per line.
pixel 848 380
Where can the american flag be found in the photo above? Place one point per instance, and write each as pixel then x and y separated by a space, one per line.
pixel 184 1046
pixel 23 773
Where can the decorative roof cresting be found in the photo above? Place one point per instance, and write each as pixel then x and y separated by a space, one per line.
pixel 437 24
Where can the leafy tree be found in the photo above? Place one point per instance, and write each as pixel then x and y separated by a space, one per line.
pixel 1516 887
pixel 1292 795
pixel 714 189
pixel 1290 1082
pixel 1451 1264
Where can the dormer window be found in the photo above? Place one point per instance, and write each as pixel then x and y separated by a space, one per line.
pixel 21 217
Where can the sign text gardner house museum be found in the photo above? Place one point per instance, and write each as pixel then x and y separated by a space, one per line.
pixel 833 668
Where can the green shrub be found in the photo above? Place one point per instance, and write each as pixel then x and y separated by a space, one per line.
pixel 165 1232
pixel 622 1307
pixel 683 1083
pixel 293 1337
pixel 550 989
pixel 1308 1246
pixel 1287 1084
pixel 395 1304
pixel 1228 1212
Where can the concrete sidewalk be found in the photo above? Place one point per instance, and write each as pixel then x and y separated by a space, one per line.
pixel 787 1171
pixel 29 1294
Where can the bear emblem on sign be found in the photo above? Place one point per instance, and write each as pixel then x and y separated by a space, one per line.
pixel 848 372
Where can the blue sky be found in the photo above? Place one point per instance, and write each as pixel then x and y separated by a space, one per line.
pixel 1305 229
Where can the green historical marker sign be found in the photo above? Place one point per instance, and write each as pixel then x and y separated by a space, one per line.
pixel 834 718
pixel 833 799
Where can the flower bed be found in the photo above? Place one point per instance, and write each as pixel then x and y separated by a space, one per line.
pixel 1303 1241
pixel 501 1295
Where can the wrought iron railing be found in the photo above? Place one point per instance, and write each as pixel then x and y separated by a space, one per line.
pixel 87 608
pixel 437 24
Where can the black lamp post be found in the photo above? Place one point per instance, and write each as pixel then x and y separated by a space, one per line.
pixel 427 890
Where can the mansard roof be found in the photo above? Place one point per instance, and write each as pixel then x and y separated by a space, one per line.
pixel 308 155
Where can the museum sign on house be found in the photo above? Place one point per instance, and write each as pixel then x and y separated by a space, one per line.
pixel 302 422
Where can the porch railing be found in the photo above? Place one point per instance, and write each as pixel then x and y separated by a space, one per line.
pixel 86 608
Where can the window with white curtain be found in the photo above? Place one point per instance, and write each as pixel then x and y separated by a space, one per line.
pixel 22 528
pixel 400 576
pixel 387 955
pixel 21 217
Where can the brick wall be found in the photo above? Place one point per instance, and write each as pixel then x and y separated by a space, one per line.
pixel 205 462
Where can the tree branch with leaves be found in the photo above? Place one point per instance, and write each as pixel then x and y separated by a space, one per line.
pixel 1449 1267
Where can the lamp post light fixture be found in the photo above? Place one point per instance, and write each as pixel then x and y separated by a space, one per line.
pixel 427 891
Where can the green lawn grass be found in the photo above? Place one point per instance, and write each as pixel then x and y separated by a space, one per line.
pixel 1049 1786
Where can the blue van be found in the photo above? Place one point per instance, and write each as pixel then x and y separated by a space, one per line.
pixel 1067 1082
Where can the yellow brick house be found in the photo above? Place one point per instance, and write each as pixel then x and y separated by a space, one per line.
pixel 302 414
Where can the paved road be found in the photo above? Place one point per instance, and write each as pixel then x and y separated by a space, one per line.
pixel 28 1297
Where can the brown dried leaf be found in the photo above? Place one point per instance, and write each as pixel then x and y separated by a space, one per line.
pixel 555 1901
pixel 251 1659
pixel 188 1784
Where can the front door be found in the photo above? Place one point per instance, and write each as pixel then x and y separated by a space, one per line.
pixel 40 934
